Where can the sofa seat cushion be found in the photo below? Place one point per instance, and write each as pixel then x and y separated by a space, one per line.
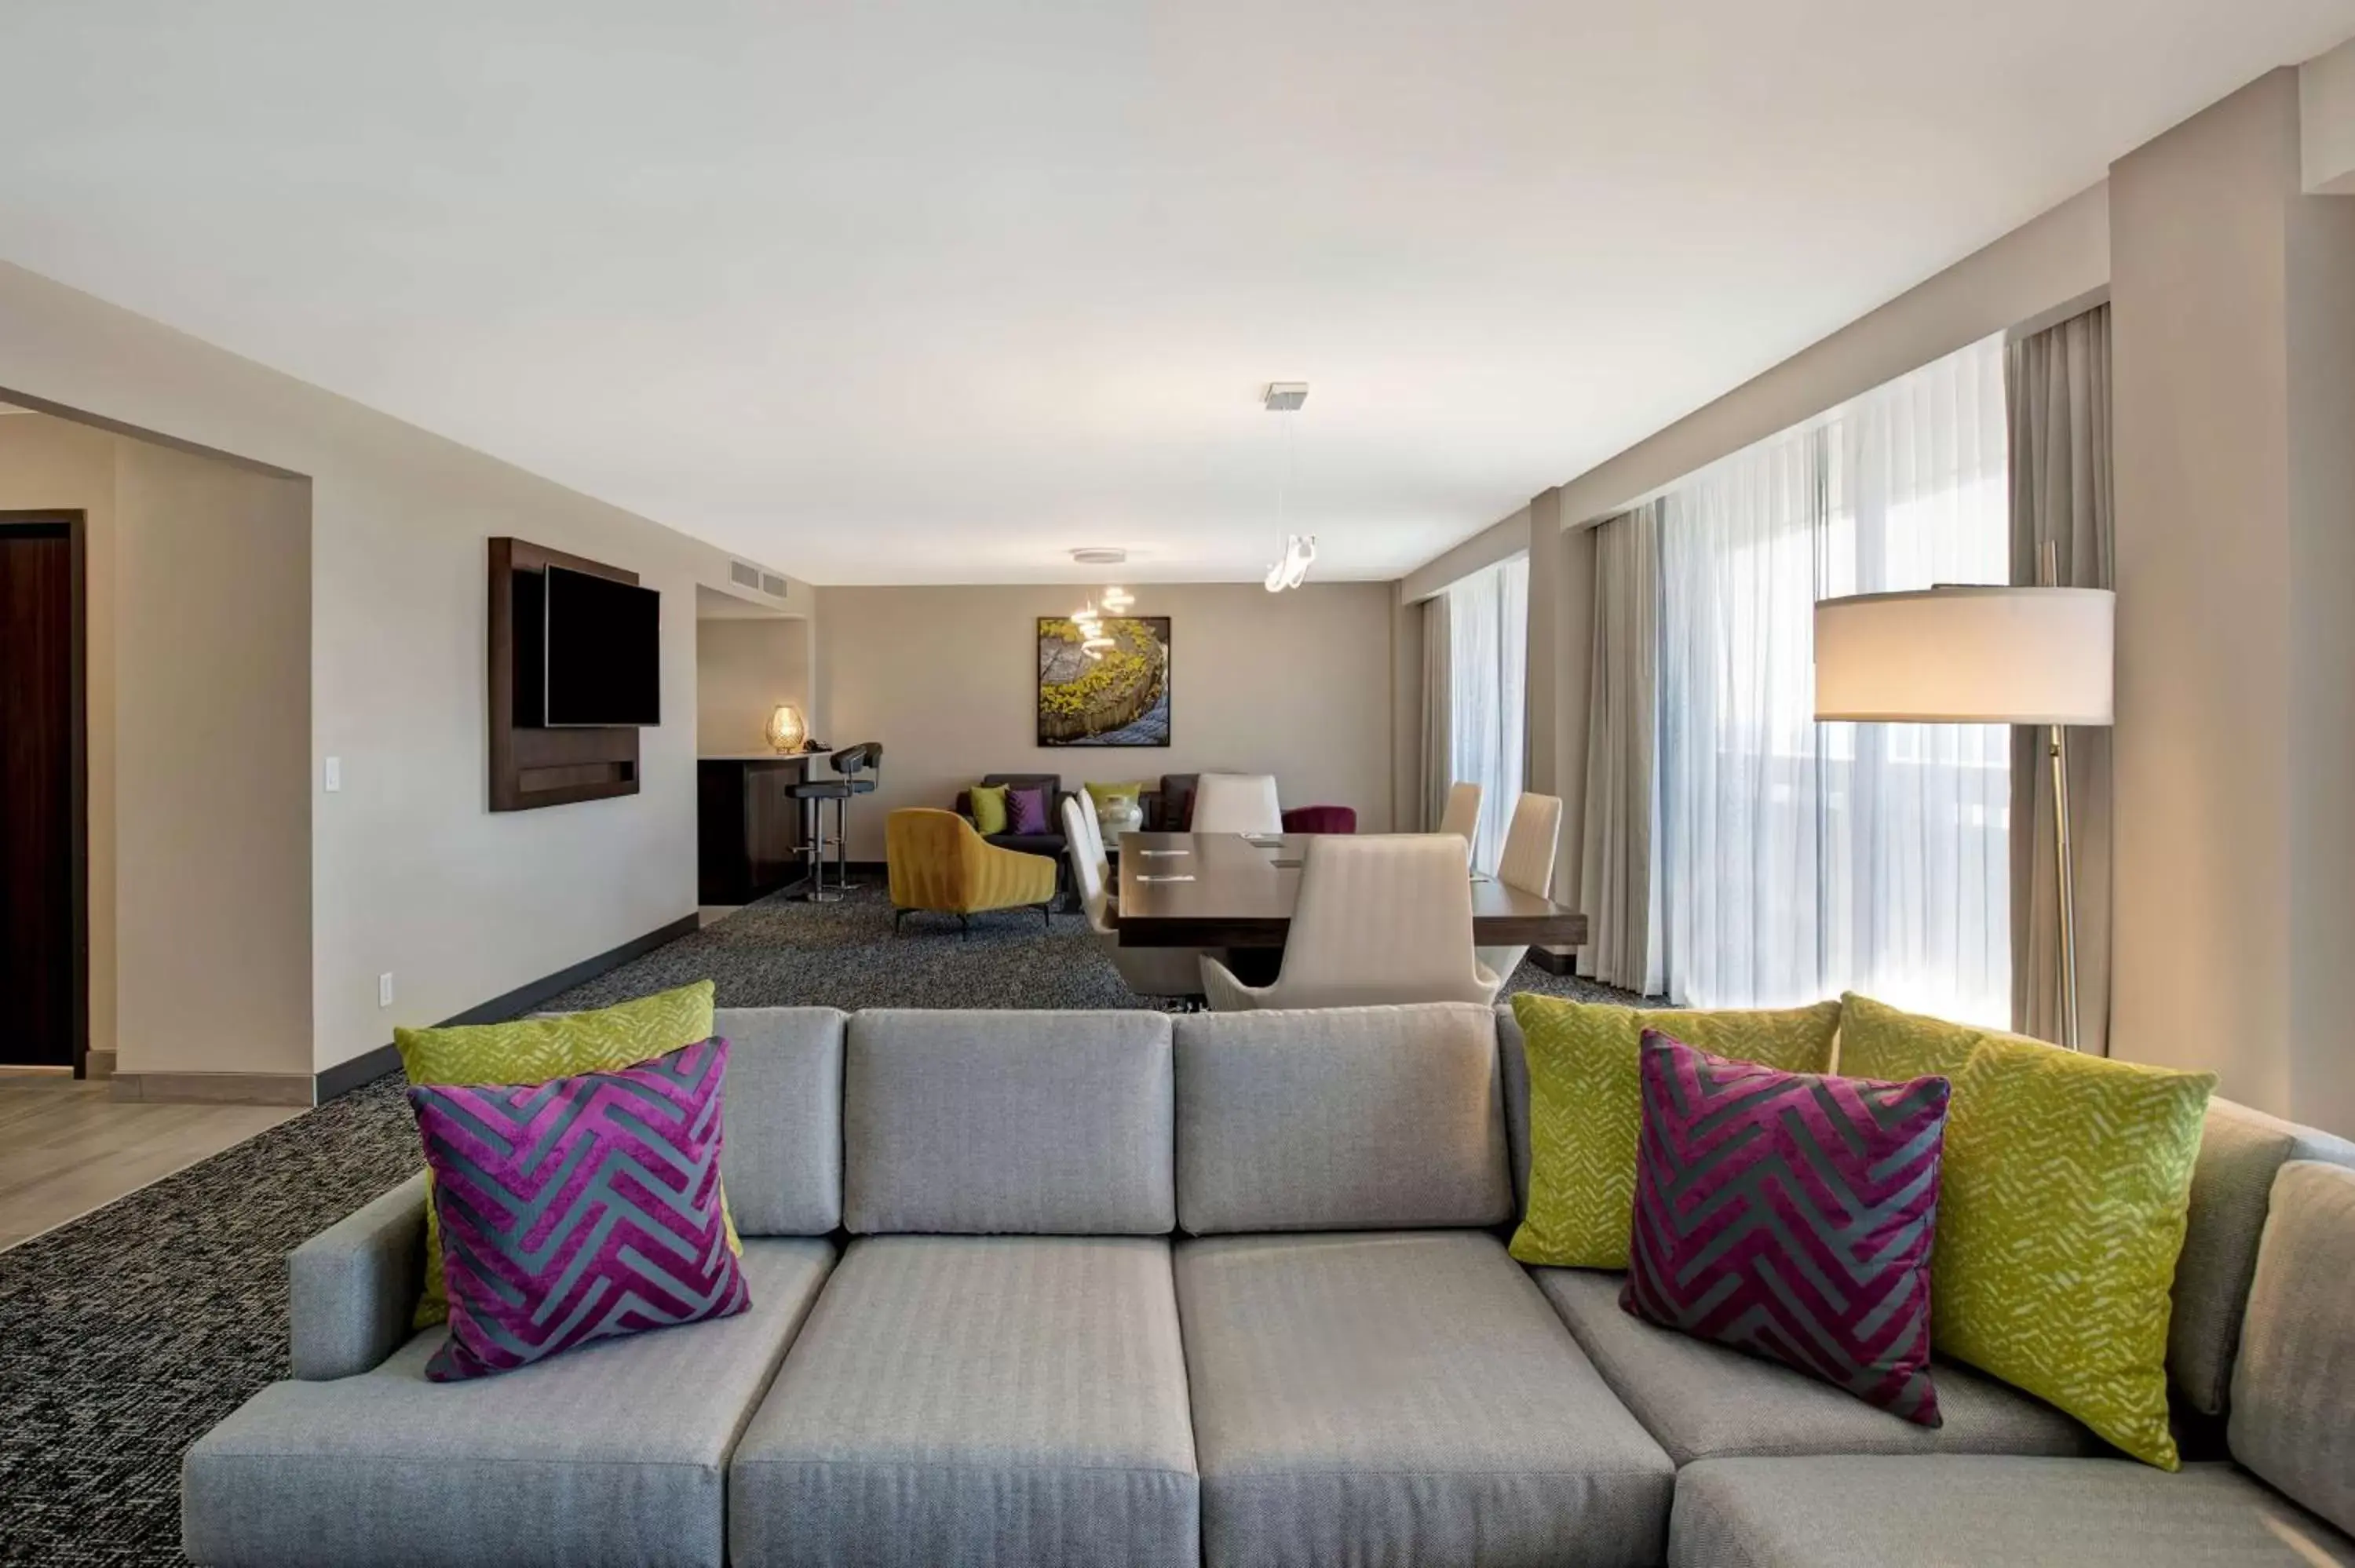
pixel 614 1453
pixel 1703 1401
pixel 1403 1397
pixel 1049 844
pixel 1964 1510
pixel 978 1400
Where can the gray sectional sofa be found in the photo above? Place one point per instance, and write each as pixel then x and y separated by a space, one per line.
pixel 1099 1289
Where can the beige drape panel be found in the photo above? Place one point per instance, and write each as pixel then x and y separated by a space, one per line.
pixel 1438 717
pixel 2057 387
pixel 1617 860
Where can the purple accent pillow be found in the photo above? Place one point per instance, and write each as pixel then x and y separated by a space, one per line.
pixel 1790 1215
pixel 579 1208
pixel 1026 808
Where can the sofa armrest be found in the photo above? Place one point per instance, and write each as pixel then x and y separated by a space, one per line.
pixel 354 1286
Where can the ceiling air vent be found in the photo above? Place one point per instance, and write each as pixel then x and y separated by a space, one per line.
pixel 743 574
pixel 771 583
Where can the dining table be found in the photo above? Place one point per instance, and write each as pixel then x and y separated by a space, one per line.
pixel 1237 890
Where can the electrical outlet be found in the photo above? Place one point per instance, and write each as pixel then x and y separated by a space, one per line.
pixel 335 773
pixel 384 989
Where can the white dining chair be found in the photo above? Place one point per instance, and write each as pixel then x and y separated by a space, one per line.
pixel 1528 864
pixel 1081 823
pixel 1237 803
pixel 1146 971
pixel 1380 918
pixel 1462 817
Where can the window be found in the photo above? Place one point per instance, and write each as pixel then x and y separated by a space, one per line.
pixel 1800 859
pixel 1489 636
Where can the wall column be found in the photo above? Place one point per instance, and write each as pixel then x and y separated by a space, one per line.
pixel 2232 307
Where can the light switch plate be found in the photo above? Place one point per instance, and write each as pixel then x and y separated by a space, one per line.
pixel 335 773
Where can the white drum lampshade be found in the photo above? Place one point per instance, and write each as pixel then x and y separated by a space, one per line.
pixel 1967 655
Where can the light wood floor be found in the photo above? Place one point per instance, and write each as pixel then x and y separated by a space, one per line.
pixel 66 1147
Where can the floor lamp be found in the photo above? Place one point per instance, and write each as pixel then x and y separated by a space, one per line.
pixel 1978 655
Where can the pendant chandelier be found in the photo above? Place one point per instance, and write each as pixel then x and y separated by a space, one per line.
pixel 1117 601
pixel 1299 549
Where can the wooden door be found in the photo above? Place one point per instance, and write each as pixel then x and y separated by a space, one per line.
pixel 44 947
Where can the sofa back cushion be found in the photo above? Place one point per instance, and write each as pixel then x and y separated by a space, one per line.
pixel 2292 1421
pixel 1368 1118
pixel 1001 1122
pixel 2240 1152
pixel 783 1114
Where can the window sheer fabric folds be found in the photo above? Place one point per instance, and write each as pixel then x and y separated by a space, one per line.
pixel 1487 622
pixel 1798 859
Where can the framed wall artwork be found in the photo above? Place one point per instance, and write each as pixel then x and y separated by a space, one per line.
pixel 1117 695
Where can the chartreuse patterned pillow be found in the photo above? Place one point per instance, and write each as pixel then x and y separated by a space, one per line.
pixel 988 802
pixel 1102 795
pixel 2066 1182
pixel 1586 1108
pixel 533 1051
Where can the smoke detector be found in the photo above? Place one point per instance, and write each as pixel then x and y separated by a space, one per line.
pixel 1284 396
pixel 1099 555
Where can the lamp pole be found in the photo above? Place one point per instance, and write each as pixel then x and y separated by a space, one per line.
pixel 2065 881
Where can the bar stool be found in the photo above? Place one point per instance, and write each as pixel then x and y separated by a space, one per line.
pixel 848 764
pixel 861 767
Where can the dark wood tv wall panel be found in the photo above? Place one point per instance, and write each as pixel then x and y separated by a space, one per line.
pixel 532 767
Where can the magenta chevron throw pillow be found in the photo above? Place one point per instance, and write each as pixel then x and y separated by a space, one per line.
pixel 579 1208
pixel 1790 1215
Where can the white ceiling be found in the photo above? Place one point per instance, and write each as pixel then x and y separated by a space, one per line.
pixel 936 290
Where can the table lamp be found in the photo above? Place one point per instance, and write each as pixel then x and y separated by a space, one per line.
pixel 1978 655
pixel 786 731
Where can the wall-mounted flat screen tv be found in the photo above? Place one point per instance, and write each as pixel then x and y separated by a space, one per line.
pixel 604 652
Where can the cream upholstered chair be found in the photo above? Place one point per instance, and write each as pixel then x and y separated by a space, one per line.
pixel 1462 817
pixel 1384 917
pixel 1237 803
pixel 1528 864
pixel 1081 828
pixel 1148 971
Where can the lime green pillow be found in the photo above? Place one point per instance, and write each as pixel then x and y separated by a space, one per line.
pixel 2060 1211
pixel 988 807
pixel 1102 795
pixel 1586 1108
pixel 534 1050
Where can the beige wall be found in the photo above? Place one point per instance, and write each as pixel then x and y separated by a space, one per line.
pixel 48 464
pixel 198 680
pixel 411 873
pixel 743 669
pixel 1297 685
pixel 2233 344
pixel 213 736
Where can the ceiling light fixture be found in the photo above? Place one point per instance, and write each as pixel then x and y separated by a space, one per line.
pixel 1093 643
pixel 1100 555
pixel 1299 549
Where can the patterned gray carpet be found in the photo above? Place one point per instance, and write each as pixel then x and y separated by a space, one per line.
pixel 129 1332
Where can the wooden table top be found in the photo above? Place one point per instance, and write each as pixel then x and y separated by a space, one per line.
pixel 1242 889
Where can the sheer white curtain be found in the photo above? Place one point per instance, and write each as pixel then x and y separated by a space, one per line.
pixel 1800 859
pixel 1488 638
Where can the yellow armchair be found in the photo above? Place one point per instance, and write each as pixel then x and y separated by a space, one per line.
pixel 939 862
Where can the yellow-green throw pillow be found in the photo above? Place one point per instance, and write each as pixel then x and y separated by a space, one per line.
pixel 988 807
pixel 1877 1040
pixel 2061 1210
pixel 1102 795
pixel 534 1050
pixel 1586 1108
